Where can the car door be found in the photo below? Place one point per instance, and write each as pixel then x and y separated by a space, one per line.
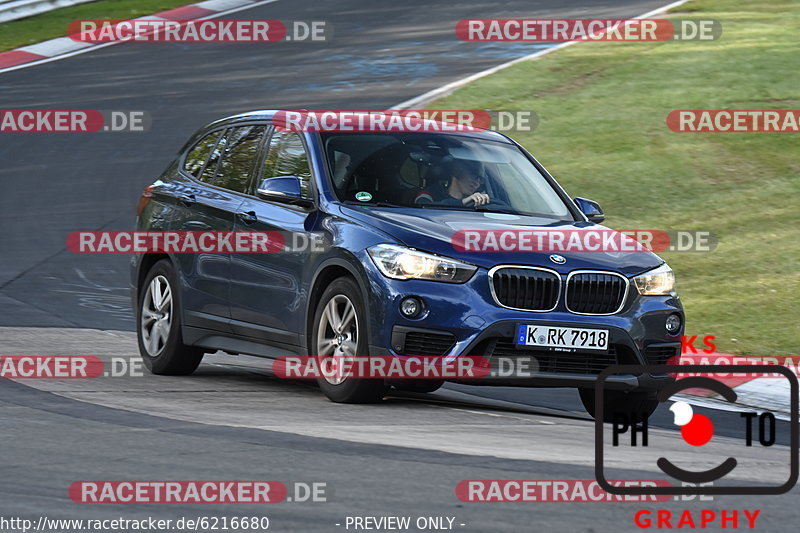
pixel 267 290
pixel 212 204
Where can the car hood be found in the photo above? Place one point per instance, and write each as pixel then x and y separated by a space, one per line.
pixel 432 230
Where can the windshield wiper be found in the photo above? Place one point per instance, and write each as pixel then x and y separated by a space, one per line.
pixel 485 209
pixel 373 204
pixel 480 208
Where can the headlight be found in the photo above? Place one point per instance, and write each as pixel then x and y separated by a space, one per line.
pixel 399 262
pixel 659 281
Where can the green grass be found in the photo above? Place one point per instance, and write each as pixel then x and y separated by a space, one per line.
pixel 54 24
pixel 602 133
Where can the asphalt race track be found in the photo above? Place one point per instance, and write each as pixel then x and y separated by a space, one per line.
pixel 233 419
pixel 379 56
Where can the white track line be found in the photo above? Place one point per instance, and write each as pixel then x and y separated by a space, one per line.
pixel 450 87
pixel 98 46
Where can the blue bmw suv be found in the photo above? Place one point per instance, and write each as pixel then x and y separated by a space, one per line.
pixel 387 276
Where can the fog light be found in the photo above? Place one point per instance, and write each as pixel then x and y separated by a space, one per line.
pixel 411 307
pixel 673 323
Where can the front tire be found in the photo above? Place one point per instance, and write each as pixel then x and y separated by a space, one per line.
pixel 340 331
pixel 159 324
pixel 635 406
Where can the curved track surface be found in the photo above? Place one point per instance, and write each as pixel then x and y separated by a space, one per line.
pixel 53 184
pixel 233 419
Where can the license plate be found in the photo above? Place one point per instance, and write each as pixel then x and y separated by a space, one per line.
pixel 567 338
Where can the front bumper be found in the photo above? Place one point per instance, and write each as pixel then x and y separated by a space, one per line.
pixel 478 325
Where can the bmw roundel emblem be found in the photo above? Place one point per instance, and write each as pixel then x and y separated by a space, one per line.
pixel 558 259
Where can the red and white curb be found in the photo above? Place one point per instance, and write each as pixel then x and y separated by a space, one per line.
pixel 759 393
pixel 63 47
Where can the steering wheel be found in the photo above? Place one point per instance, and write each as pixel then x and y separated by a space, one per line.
pixel 492 201
pixel 498 202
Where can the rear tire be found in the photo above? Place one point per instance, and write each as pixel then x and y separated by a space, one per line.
pixel 158 320
pixel 340 330
pixel 636 406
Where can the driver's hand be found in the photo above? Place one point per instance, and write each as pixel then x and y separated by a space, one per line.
pixel 479 198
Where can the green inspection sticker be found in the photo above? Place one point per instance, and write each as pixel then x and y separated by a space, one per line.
pixel 363 196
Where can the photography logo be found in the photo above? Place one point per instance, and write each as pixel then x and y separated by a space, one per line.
pixel 631 442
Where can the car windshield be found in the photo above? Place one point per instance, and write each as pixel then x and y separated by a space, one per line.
pixel 438 171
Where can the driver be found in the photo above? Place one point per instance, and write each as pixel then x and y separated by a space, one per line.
pixel 460 190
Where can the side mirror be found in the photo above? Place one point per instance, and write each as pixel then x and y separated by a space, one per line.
pixel 591 209
pixel 283 189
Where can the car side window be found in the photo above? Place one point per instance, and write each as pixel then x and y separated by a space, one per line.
pixel 287 157
pixel 239 158
pixel 210 171
pixel 198 155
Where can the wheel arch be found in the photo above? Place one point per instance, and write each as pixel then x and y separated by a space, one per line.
pixel 145 265
pixel 328 271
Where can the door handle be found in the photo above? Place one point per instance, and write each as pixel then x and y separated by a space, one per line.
pixel 187 199
pixel 248 217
